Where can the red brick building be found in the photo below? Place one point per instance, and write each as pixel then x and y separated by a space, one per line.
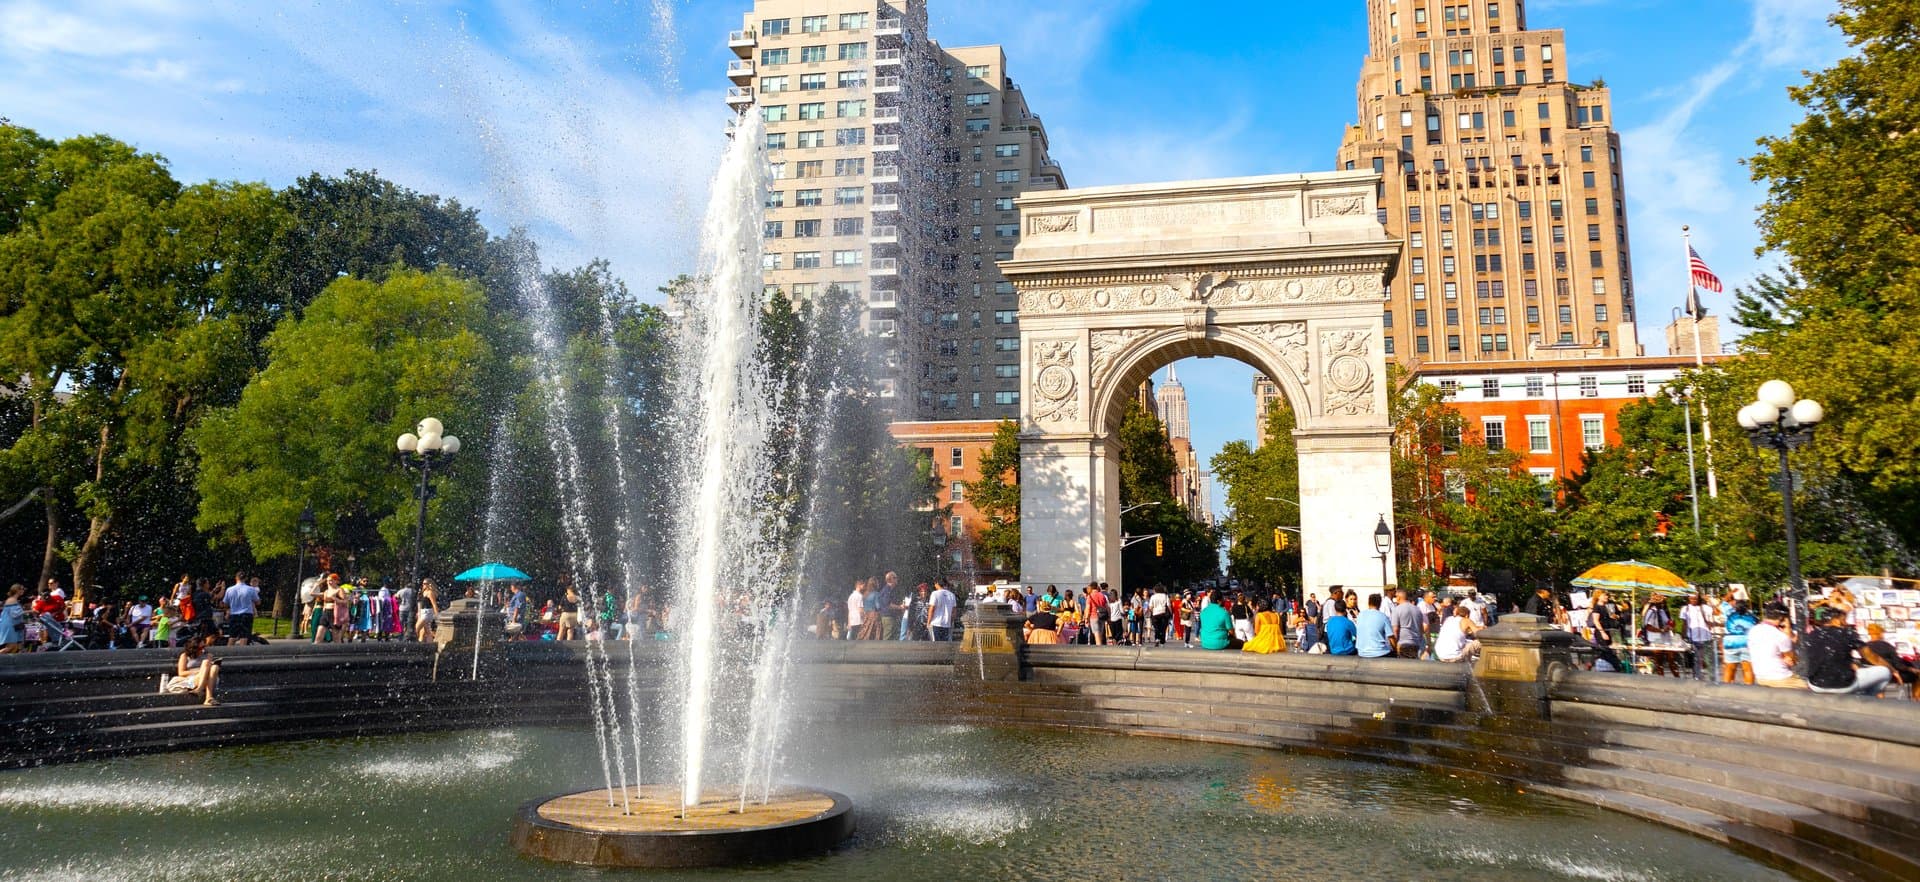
pixel 956 448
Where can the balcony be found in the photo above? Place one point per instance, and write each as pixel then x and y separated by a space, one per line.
pixel 883 235
pixel 889 27
pixel 887 58
pixel 1044 181
pixel 886 174
pixel 883 86
pixel 742 42
pixel 740 71
pixel 886 202
pixel 886 143
pixel 886 114
pixel 885 266
pixel 739 97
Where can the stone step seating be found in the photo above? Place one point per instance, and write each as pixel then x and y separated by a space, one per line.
pixel 1839 830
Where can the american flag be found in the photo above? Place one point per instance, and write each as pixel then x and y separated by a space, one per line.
pixel 1702 276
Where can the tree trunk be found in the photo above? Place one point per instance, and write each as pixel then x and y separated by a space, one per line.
pixel 53 542
pixel 86 561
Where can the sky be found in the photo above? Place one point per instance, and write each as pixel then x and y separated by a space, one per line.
pixel 595 124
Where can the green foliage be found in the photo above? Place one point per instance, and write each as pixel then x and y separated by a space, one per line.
pixel 1841 192
pixel 996 495
pixel 1254 477
pixel 1146 476
pixel 316 426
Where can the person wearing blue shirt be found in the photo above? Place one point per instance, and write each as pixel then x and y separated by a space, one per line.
pixel 1374 631
pixel 1339 630
pixel 1216 624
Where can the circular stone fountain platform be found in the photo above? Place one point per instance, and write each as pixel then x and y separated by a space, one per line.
pixel 581 828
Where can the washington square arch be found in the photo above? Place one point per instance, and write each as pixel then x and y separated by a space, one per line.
pixel 1286 273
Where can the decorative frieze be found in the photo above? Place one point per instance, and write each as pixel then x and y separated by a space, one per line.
pixel 1056 392
pixel 1348 369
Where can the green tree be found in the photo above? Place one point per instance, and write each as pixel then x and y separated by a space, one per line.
pixel 316 426
pixel 125 304
pixel 1254 478
pixel 1146 476
pixel 996 495
pixel 1840 197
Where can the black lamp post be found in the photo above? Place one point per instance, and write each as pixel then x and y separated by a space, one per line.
pixel 1383 546
pixel 1780 423
pixel 300 569
pixel 418 451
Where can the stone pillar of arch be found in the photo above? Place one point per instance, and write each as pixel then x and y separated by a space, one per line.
pixel 1287 273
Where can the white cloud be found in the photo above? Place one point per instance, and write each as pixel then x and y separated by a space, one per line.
pixel 87 29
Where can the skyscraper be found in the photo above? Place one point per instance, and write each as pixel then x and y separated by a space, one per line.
pixel 1172 398
pixel 896 163
pixel 1503 177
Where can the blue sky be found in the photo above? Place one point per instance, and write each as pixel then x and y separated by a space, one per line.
pixel 596 124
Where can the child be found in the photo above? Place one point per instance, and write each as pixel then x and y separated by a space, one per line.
pixel 163 624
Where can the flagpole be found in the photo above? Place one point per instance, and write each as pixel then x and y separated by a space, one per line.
pixel 1700 361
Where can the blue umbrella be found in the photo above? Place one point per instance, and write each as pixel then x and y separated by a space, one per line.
pixel 492 572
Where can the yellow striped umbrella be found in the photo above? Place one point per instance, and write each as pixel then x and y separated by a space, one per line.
pixel 1633 575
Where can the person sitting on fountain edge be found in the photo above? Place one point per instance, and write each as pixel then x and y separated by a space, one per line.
pixel 1216 624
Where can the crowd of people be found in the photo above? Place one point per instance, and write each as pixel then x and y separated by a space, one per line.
pixel 49 619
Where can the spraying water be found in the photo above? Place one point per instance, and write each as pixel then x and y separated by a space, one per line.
pixel 729 420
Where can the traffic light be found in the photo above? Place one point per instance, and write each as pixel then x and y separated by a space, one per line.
pixel 1159 546
pixel 1279 539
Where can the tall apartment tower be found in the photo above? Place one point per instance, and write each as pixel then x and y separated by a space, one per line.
pixel 896 163
pixel 1502 177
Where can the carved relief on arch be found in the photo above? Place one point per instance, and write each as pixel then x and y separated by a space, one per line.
pixel 1347 366
pixel 1056 391
pixel 1289 341
pixel 1105 346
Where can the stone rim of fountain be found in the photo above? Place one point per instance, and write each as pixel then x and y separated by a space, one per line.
pixel 539 836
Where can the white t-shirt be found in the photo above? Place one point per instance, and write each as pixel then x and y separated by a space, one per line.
pixel 1326 610
pixel 1114 608
pixel 140 613
pixel 853 609
pixel 1157 604
pixel 1452 642
pixel 1476 610
pixel 940 606
pixel 1768 647
pixel 1698 623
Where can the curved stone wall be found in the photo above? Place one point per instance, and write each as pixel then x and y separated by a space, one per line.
pixel 1826 786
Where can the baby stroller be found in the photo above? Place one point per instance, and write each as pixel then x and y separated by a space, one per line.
pixel 61 636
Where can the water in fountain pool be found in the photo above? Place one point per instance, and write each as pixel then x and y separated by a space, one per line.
pixel 960 801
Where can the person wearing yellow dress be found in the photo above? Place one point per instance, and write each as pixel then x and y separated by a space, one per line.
pixel 1267 636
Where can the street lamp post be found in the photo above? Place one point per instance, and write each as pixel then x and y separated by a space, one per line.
pixel 1778 422
pixel 1382 546
pixel 418 451
pixel 300 568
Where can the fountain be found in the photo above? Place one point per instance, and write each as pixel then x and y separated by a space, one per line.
pixel 725 412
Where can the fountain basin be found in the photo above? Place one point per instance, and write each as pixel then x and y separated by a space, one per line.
pixel 582 828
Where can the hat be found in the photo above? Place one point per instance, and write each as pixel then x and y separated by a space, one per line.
pixel 1825 614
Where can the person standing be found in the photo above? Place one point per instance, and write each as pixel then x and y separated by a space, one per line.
pixel 517 610
pixel 569 624
pixel 914 626
pixel 308 589
pixel 1160 609
pixel 1736 664
pixel 13 621
pixel 1373 631
pixel 1696 622
pixel 1311 633
pixel 1409 627
pixel 873 611
pixel 940 608
pixel 1608 622
pixel 893 608
pixel 856 606
pixel 405 600
pixel 427 620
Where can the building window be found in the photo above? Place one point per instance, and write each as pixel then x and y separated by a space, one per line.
pixel 957 492
pixel 978 125
pixel 773 56
pixel 851 109
pixel 813 54
pixel 806 229
pixel 1593 432
pixel 1449 389
pixel 813 82
pixel 771 230
pixel 848 257
pixel 979 99
pixel 1006 372
pixel 1007 176
pixel 806 260
pixel 813 110
pixel 1636 384
pixel 1490 387
pixel 1006 344
pixel 1006 398
pixel 1495 432
pixel 806 197
pixel 849 226
pixel 1589 386
pixel 1005 316
pixel 1599 311
pixel 853 51
pixel 774 113
pixel 769 261
pixel 852 79
pixel 1539 439
pixel 1006 231
pixel 1420 345
pixel 848 195
pixel 813 24
pixel 773 27
pixel 1006 151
